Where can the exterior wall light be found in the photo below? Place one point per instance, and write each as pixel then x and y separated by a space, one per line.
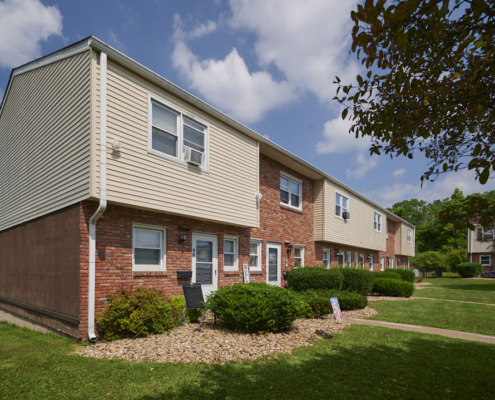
pixel 182 239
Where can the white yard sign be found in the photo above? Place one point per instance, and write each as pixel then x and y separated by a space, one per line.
pixel 245 270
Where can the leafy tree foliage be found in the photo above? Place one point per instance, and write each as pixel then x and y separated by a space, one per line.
pixel 433 233
pixel 430 82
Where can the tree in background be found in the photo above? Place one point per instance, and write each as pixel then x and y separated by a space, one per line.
pixel 429 86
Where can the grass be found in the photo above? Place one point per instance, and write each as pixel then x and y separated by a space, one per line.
pixel 476 318
pixel 363 363
pixel 452 287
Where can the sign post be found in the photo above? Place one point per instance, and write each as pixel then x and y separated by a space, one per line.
pixel 336 309
pixel 245 271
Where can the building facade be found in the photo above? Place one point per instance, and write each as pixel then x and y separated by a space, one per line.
pixel 479 247
pixel 112 177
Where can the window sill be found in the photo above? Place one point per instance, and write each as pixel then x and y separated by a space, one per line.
pixel 290 208
pixel 177 160
pixel 150 273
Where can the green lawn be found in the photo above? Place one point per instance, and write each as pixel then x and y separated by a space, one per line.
pixel 364 363
pixel 453 287
pixel 476 318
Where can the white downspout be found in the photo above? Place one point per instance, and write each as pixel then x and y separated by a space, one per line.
pixel 103 197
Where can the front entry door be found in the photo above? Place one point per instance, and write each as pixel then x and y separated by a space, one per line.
pixel 273 264
pixel 205 262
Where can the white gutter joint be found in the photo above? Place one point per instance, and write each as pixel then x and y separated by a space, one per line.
pixel 103 198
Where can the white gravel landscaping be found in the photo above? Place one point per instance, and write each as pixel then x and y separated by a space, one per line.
pixel 216 344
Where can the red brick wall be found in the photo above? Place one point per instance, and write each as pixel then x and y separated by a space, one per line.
pixel 476 258
pixel 279 223
pixel 390 252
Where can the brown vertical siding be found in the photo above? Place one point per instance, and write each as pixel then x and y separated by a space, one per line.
pixel 39 262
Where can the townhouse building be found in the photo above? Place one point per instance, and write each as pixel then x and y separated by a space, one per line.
pixel 479 246
pixel 112 177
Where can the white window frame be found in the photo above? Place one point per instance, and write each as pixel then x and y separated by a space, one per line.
pixel 180 133
pixel 386 229
pixel 326 256
pixel 409 235
pixel 349 258
pixel 356 259
pixel 340 205
pixel 235 239
pixel 163 249
pixel 382 263
pixel 291 178
pixel 379 222
pixel 371 263
pixel 489 260
pixel 259 247
pixel 299 246
pixel 361 257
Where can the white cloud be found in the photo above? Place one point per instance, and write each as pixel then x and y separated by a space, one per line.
pixel 23 25
pixel 129 14
pixel 440 189
pixel 398 172
pixel 307 41
pixel 337 138
pixel 203 29
pixel 114 40
pixel 361 165
pixel 228 83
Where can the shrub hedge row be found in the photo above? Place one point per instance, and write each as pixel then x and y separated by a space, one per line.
pixel 387 275
pixel 469 269
pixel 302 279
pixel 357 280
pixel 393 287
pixel 405 274
pixel 318 301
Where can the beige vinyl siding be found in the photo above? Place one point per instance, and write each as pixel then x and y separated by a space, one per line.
pixel 358 230
pixel 402 247
pixel 225 193
pixel 319 208
pixel 45 140
pixel 478 247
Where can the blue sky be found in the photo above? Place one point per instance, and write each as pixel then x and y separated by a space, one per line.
pixel 268 63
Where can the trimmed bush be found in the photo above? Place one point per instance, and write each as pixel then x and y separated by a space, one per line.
pixel 455 257
pixel 393 287
pixel 404 274
pixel 357 280
pixel 319 301
pixel 257 307
pixel 302 279
pixel 469 269
pixel 136 313
pixel 387 275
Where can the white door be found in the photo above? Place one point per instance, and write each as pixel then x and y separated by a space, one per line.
pixel 371 262
pixel 205 262
pixel 382 264
pixel 273 266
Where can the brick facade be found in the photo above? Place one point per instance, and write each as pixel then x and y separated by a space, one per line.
pixel 476 258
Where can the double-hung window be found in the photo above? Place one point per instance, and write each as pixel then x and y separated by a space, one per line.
pixel 255 255
pixel 488 234
pixel 148 248
pixel 290 191
pixel 326 258
pixel 409 236
pixel 486 260
pixel 298 256
pixel 230 253
pixel 377 223
pixel 341 204
pixel 176 136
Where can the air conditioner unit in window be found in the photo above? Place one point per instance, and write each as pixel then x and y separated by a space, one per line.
pixel 346 215
pixel 192 156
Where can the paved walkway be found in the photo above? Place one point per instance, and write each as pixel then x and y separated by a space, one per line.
pixel 455 301
pixel 425 329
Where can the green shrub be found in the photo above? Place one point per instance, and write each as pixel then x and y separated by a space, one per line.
pixel 455 257
pixel 302 279
pixel 357 280
pixel 393 287
pixel 430 260
pixel 256 307
pixel 469 269
pixel 136 313
pixel 319 301
pixel 404 274
pixel 387 274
